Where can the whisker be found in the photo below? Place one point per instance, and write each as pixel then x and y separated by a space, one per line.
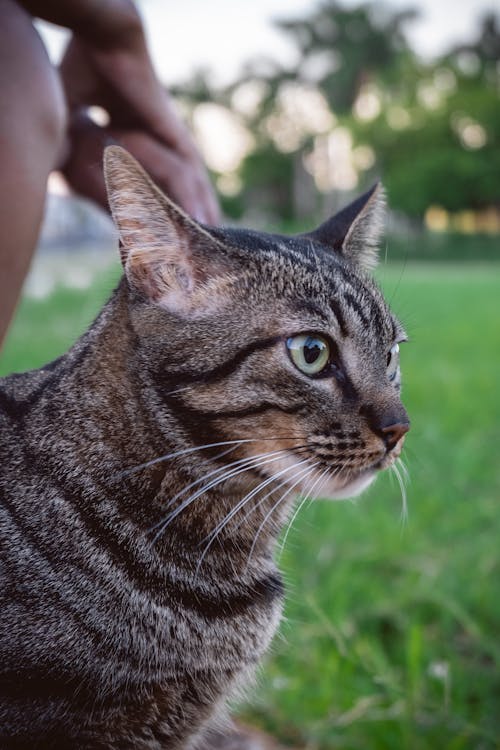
pixel 178 390
pixel 183 452
pixel 404 470
pixel 225 468
pixel 213 535
pixel 263 499
pixel 296 481
pixel 404 508
pixel 249 463
pixel 193 449
pixel 326 476
pixel 261 486
pixel 323 478
pixel 223 472
pixel 300 506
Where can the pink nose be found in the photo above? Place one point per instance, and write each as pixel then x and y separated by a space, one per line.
pixel 392 434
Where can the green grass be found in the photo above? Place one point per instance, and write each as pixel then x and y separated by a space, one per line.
pixel 391 638
pixel 44 328
pixel 443 246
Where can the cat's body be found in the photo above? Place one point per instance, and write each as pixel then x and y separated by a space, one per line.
pixel 95 610
pixel 125 621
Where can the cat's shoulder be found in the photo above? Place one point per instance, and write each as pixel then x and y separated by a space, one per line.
pixel 21 389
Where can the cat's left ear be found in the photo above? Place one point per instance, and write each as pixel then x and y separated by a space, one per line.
pixel 355 231
pixel 168 257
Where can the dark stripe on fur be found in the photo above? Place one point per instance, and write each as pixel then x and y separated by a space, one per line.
pixel 52 594
pixel 165 591
pixel 222 370
pixel 353 303
pixel 37 682
pixel 346 385
pixel 10 406
pixel 16 408
pixel 249 411
pixel 339 316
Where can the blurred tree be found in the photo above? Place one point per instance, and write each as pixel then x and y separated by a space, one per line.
pixel 487 45
pixel 197 89
pixel 448 152
pixel 429 129
pixel 339 51
pixel 341 48
pixel 267 177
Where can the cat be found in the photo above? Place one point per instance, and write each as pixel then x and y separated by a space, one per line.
pixel 147 473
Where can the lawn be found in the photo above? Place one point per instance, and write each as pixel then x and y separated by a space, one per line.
pixel 392 632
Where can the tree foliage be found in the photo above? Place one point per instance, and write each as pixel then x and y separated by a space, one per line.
pixel 433 126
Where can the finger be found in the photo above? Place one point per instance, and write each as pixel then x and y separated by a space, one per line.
pixel 83 165
pixel 182 180
pixel 210 204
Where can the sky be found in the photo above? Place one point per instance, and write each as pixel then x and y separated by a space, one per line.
pixel 223 34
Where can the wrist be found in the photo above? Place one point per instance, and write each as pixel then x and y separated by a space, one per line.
pixel 101 24
pixel 126 31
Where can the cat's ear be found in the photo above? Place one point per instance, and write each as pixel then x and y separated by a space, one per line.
pixel 166 255
pixel 355 231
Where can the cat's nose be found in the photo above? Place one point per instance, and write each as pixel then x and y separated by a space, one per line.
pixel 390 424
pixel 392 434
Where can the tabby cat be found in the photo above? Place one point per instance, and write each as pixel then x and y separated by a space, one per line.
pixel 146 474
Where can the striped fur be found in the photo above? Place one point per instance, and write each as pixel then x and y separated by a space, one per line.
pixel 138 589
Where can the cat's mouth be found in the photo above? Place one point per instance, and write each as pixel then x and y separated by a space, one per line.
pixel 354 482
pixel 325 482
pixel 321 479
pixel 391 457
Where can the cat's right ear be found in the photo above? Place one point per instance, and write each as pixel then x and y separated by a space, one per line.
pixel 355 231
pixel 167 256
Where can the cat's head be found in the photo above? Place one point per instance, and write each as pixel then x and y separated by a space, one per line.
pixel 283 343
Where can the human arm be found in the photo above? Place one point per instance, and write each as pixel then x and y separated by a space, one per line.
pixel 99 22
pixel 107 64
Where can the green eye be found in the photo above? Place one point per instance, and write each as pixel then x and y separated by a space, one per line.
pixel 393 362
pixel 309 353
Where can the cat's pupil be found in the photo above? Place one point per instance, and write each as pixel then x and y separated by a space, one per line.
pixel 312 350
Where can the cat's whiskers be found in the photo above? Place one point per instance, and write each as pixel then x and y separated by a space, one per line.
pixel 398 474
pixel 404 470
pixel 295 481
pixel 225 468
pixel 220 526
pixel 249 463
pixel 325 476
pixel 286 481
pixel 185 451
pixel 252 493
pixel 194 449
pixel 178 390
pixel 308 495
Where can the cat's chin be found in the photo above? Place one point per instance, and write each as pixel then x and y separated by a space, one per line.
pixel 338 489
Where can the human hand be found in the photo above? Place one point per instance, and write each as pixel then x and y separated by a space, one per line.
pixel 121 80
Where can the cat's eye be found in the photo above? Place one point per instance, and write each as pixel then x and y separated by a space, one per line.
pixel 393 362
pixel 309 352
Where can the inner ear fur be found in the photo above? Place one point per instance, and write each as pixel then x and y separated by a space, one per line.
pixel 166 255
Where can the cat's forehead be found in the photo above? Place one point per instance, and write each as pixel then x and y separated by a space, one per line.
pixel 262 243
pixel 295 257
pixel 318 274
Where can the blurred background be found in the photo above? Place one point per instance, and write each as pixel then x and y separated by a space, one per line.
pixel 391 637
